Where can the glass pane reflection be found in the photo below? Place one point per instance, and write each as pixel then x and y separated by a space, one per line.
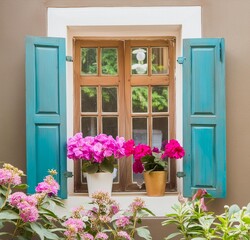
pixel 110 126
pixel 88 99
pixel 160 60
pixel 139 99
pixel 89 126
pixel 109 61
pixel 139 61
pixel 109 99
pixel 160 99
pixel 89 61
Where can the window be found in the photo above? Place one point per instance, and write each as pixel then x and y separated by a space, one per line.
pixel 125 88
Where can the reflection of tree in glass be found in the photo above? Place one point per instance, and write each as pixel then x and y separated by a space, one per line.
pixel 140 99
pixel 89 61
pixel 160 99
pixel 109 61
pixel 89 99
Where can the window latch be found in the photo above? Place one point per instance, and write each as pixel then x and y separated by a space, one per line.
pixel 181 60
pixel 68 174
pixel 69 59
pixel 180 174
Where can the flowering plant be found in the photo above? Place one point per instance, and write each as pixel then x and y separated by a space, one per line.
pixel 147 159
pixel 98 153
pixel 28 216
pixel 105 220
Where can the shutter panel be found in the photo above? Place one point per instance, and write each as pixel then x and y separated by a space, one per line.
pixel 45 110
pixel 204 116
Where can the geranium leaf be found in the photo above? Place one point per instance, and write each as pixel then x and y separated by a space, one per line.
pixel 107 165
pixel 93 168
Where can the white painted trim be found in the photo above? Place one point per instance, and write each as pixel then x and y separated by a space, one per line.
pixel 181 22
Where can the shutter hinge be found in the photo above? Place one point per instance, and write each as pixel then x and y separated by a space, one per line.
pixel 68 174
pixel 181 60
pixel 69 59
pixel 180 174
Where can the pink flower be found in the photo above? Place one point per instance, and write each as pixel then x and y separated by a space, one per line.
pixel 16 198
pixel 49 186
pixel 10 175
pixel 138 166
pixel 129 147
pixel 142 150
pixel 87 236
pixel 115 209
pixel 28 213
pixel 199 194
pixel 173 150
pixel 123 234
pixel 74 226
pixel 122 222
pixel 101 235
pixel 136 205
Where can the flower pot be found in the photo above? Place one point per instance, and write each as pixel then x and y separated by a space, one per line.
pixel 155 182
pixel 101 181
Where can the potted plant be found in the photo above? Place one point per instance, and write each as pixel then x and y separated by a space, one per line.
pixel 98 155
pixel 153 163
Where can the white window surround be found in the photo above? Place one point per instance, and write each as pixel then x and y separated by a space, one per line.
pixel 181 22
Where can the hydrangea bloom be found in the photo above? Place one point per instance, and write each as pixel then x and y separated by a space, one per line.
pixel 10 175
pixel 137 205
pixel 123 235
pixel 95 149
pixel 28 213
pixel 49 186
pixel 101 235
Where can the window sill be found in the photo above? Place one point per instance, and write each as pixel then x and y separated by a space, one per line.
pixel 158 205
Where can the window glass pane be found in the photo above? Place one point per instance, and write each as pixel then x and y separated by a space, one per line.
pixel 109 61
pixel 139 99
pixel 89 99
pixel 140 135
pixel 160 60
pixel 160 99
pixel 89 61
pixel 109 99
pixel 139 61
pixel 89 126
pixel 110 126
pixel 160 131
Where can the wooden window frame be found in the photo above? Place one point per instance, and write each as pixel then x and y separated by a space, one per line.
pixel 124 81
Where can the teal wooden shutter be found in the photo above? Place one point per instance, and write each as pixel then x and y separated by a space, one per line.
pixel 45 110
pixel 204 116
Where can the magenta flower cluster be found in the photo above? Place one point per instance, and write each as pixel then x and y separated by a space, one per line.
pixel 172 149
pixel 27 206
pixel 95 149
pixel 48 186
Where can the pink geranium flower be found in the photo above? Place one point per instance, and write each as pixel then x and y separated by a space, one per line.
pixel 173 150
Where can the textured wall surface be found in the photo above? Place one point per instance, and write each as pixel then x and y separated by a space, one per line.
pixel 220 18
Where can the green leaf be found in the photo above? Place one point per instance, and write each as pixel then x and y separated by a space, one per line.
pixel 233 209
pixel 8 214
pixel 148 211
pixel 21 186
pixel 148 159
pixel 93 168
pixel 107 165
pixel 143 232
pixel 246 219
pixel 43 232
pixel 172 235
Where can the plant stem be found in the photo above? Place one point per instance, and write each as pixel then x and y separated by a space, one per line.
pixel 6 197
pixel 17 226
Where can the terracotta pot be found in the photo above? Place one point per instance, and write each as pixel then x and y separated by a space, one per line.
pixel 155 182
pixel 102 181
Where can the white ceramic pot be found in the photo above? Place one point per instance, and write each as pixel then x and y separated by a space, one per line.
pixel 102 181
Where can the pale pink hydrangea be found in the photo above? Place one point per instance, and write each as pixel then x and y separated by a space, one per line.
pixel 123 235
pixel 122 222
pixel 10 175
pixel 26 206
pixel 49 186
pixel 101 235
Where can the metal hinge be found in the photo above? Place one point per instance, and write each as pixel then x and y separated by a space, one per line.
pixel 180 174
pixel 181 60
pixel 69 59
pixel 68 174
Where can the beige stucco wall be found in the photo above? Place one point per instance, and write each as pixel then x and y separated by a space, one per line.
pixel 220 18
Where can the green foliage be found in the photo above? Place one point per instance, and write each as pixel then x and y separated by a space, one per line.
pixel 154 162
pixel 193 223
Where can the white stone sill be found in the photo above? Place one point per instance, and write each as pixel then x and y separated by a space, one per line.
pixel 160 206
